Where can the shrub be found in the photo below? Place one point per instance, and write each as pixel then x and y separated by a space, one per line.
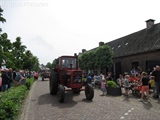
pixel 111 83
pixel 12 99
pixel 29 83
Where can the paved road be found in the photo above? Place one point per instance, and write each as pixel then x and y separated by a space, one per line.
pixel 40 105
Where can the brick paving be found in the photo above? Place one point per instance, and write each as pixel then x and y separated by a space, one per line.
pixel 40 105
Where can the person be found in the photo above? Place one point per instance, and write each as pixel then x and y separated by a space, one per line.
pixel 120 80
pixel 89 79
pixel 152 84
pixel 133 71
pixel 126 84
pixel 93 81
pixel 156 74
pixel 18 78
pixel 10 74
pixel 23 78
pixel 145 86
pixel 109 76
pixel 36 76
pixel 133 78
pixel 97 80
pixel 139 69
pixel 103 86
pixel 5 80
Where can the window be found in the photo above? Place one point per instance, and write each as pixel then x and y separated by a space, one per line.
pixel 67 61
pixel 135 64
pixel 150 64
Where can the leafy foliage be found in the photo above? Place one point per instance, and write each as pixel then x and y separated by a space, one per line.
pixel 15 54
pixel 49 65
pixel 29 83
pixel 55 63
pixel 11 101
pixel 99 58
pixel 2 19
pixel 111 83
pixel 103 56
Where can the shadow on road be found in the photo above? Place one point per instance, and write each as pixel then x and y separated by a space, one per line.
pixel 39 80
pixel 126 99
pixel 53 99
pixel 147 105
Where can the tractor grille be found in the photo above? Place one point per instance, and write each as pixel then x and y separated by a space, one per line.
pixel 77 79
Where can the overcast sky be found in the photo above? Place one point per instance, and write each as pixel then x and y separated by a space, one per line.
pixel 51 28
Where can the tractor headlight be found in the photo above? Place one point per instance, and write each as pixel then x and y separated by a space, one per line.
pixel 77 79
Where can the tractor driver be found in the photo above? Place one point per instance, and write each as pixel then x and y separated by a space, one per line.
pixel 65 63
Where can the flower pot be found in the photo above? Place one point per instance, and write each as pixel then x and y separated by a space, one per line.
pixel 114 91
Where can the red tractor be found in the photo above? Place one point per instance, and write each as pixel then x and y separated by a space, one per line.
pixel 45 74
pixel 67 77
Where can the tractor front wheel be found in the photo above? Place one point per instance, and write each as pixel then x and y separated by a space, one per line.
pixel 61 93
pixel 42 78
pixel 89 92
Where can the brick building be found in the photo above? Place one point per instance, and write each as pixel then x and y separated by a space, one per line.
pixel 141 48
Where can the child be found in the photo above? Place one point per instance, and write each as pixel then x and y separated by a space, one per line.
pixel 126 84
pixel 152 84
pixel 145 86
pixel 103 86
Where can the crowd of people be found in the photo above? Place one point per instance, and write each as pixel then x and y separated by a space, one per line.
pixel 9 78
pixel 144 82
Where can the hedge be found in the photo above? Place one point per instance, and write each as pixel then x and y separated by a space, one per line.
pixel 11 100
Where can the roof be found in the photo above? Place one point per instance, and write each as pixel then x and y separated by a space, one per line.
pixel 145 40
pixel 142 41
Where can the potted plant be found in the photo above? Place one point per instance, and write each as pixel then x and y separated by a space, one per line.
pixel 113 88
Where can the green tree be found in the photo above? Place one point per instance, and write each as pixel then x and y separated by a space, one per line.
pixel 35 64
pixel 18 51
pixel 49 65
pixel 103 57
pixel 55 63
pixel 5 48
pixel 15 54
pixel 30 62
pixel 86 60
pixel 5 43
pixel 99 58
pixel 91 60
pixel 2 19
pixel 83 60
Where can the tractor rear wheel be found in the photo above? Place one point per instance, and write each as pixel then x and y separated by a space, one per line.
pixel 89 92
pixel 53 83
pixel 61 93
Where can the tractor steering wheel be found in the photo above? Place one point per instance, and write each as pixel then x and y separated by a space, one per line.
pixel 64 66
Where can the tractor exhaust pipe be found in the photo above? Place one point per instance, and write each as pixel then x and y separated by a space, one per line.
pixel 75 54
